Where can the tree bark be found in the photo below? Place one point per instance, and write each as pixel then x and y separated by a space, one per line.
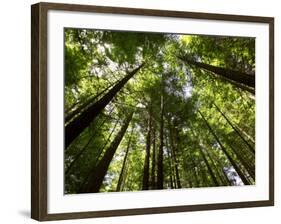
pixel 213 176
pixel 145 180
pixel 250 170
pixel 82 151
pixel 235 129
pixel 214 179
pixel 203 173
pixel 153 164
pixel 236 76
pixel 239 86
pixel 195 173
pixel 77 125
pixel 160 153
pixel 84 105
pixel 98 173
pixel 121 176
pixel 172 186
pixel 174 156
pixel 238 170
pixel 220 173
pixel 246 134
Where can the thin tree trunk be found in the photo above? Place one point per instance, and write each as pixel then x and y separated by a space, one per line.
pixel 153 164
pixel 214 179
pixel 195 173
pixel 238 170
pixel 171 169
pixel 121 176
pixel 95 128
pixel 125 175
pixel 239 86
pixel 222 175
pixel 228 182
pixel 235 129
pixel 175 179
pixel 86 147
pixel 96 160
pixel 98 173
pixel 145 180
pixel 160 153
pixel 213 176
pixel 205 180
pixel 249 105
pixel 173 182
pixel 174 156
pixel 236 76
pixel 250 170
pixel 245 134
pixel 77 125
pixel 84 105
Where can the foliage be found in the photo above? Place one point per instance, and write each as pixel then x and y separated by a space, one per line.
pixel 209 123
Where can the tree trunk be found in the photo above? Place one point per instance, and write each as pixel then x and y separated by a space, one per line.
pixel 203 174
pixel 250 170
pixel 238 170
pixel 98 173
pixel 235 129
pixel 222 175
pixel 213 176
pixel 195 173
pixel 174 156
pixel 235 76
pixel 214 179
pixel 86 147
pixel 145 180
pixel 121 176
pixel 83 106
pixel 249 105
pixel 96 126
pixel 125 176
pixel 246 134
pixel 153 164
pixel 77 125
pixel 160 153
pixel 171 169
pixel 239 86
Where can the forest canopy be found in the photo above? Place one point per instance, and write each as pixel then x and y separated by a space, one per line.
pixel 147 111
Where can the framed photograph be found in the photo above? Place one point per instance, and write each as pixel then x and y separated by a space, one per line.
pixel 139 111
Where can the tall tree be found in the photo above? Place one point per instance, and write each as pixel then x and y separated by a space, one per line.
pixel 235 129
pixel 174 155
pixel 145 180
pixel 213 176
pixel 98 173
pixel 160 152
pixel 234 76
pixel 221 174
pixel 202 153
pixel 153 162
pixel 233 163
pixel 171 170
pixel 74 112
pixel 77 125
pixel 250 138
pixel 250 169
pixel 121 176
pixel 195 173
pixel 83 150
